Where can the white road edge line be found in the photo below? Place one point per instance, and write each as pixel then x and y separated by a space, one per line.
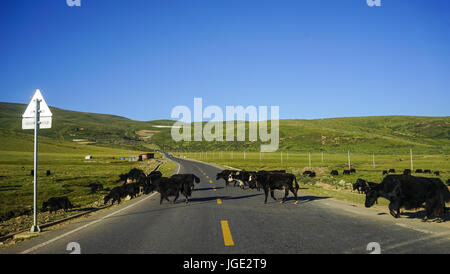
pixel 349 210
pixel 178 164
pixel 414 228
pixel 398 224
pixel 426 238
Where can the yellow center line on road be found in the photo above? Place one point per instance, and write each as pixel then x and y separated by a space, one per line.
pixel 227 238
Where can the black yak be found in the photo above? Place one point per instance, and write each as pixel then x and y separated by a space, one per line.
pixel 57 203
pixel 411 192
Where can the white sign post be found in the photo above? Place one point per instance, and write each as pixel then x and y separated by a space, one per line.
pixel 36 116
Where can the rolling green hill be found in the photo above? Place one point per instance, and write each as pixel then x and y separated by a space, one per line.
pixel 389 134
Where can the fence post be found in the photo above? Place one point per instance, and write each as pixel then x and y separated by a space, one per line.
pixel 349 164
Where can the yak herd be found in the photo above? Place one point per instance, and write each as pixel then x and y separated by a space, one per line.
pixel 403 191
pixel 137 182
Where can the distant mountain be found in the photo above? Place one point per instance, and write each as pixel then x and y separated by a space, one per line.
pixel 388 134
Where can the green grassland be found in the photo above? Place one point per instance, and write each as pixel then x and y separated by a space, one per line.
pixel 70 176
pixel 107 137
pixel 103 130
pixel 384 135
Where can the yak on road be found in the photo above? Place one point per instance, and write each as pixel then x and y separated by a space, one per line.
pixel 411 192
pixel 174 186
pixel 270 181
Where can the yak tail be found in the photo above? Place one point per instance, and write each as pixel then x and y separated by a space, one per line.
pixel 296 184
pixel 197 180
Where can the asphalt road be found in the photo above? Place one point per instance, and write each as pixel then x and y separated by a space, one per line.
pixel 228 220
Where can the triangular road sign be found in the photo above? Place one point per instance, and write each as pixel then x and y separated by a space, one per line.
pixel 45 115
pixel 43 107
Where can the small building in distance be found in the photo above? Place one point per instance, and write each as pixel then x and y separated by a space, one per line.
pixel 145 156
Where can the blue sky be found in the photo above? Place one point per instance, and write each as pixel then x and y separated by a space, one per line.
pixel 313 58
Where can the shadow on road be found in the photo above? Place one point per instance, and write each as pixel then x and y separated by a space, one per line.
pixel 198 201
pixel 242 197
pixel 214 198
pixel 180 203
pixel 204 199
pixel 421 214
pixel 207 188
pixel 302 199
pixel 306 199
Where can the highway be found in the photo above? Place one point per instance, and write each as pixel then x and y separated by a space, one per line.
pixel 228 220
